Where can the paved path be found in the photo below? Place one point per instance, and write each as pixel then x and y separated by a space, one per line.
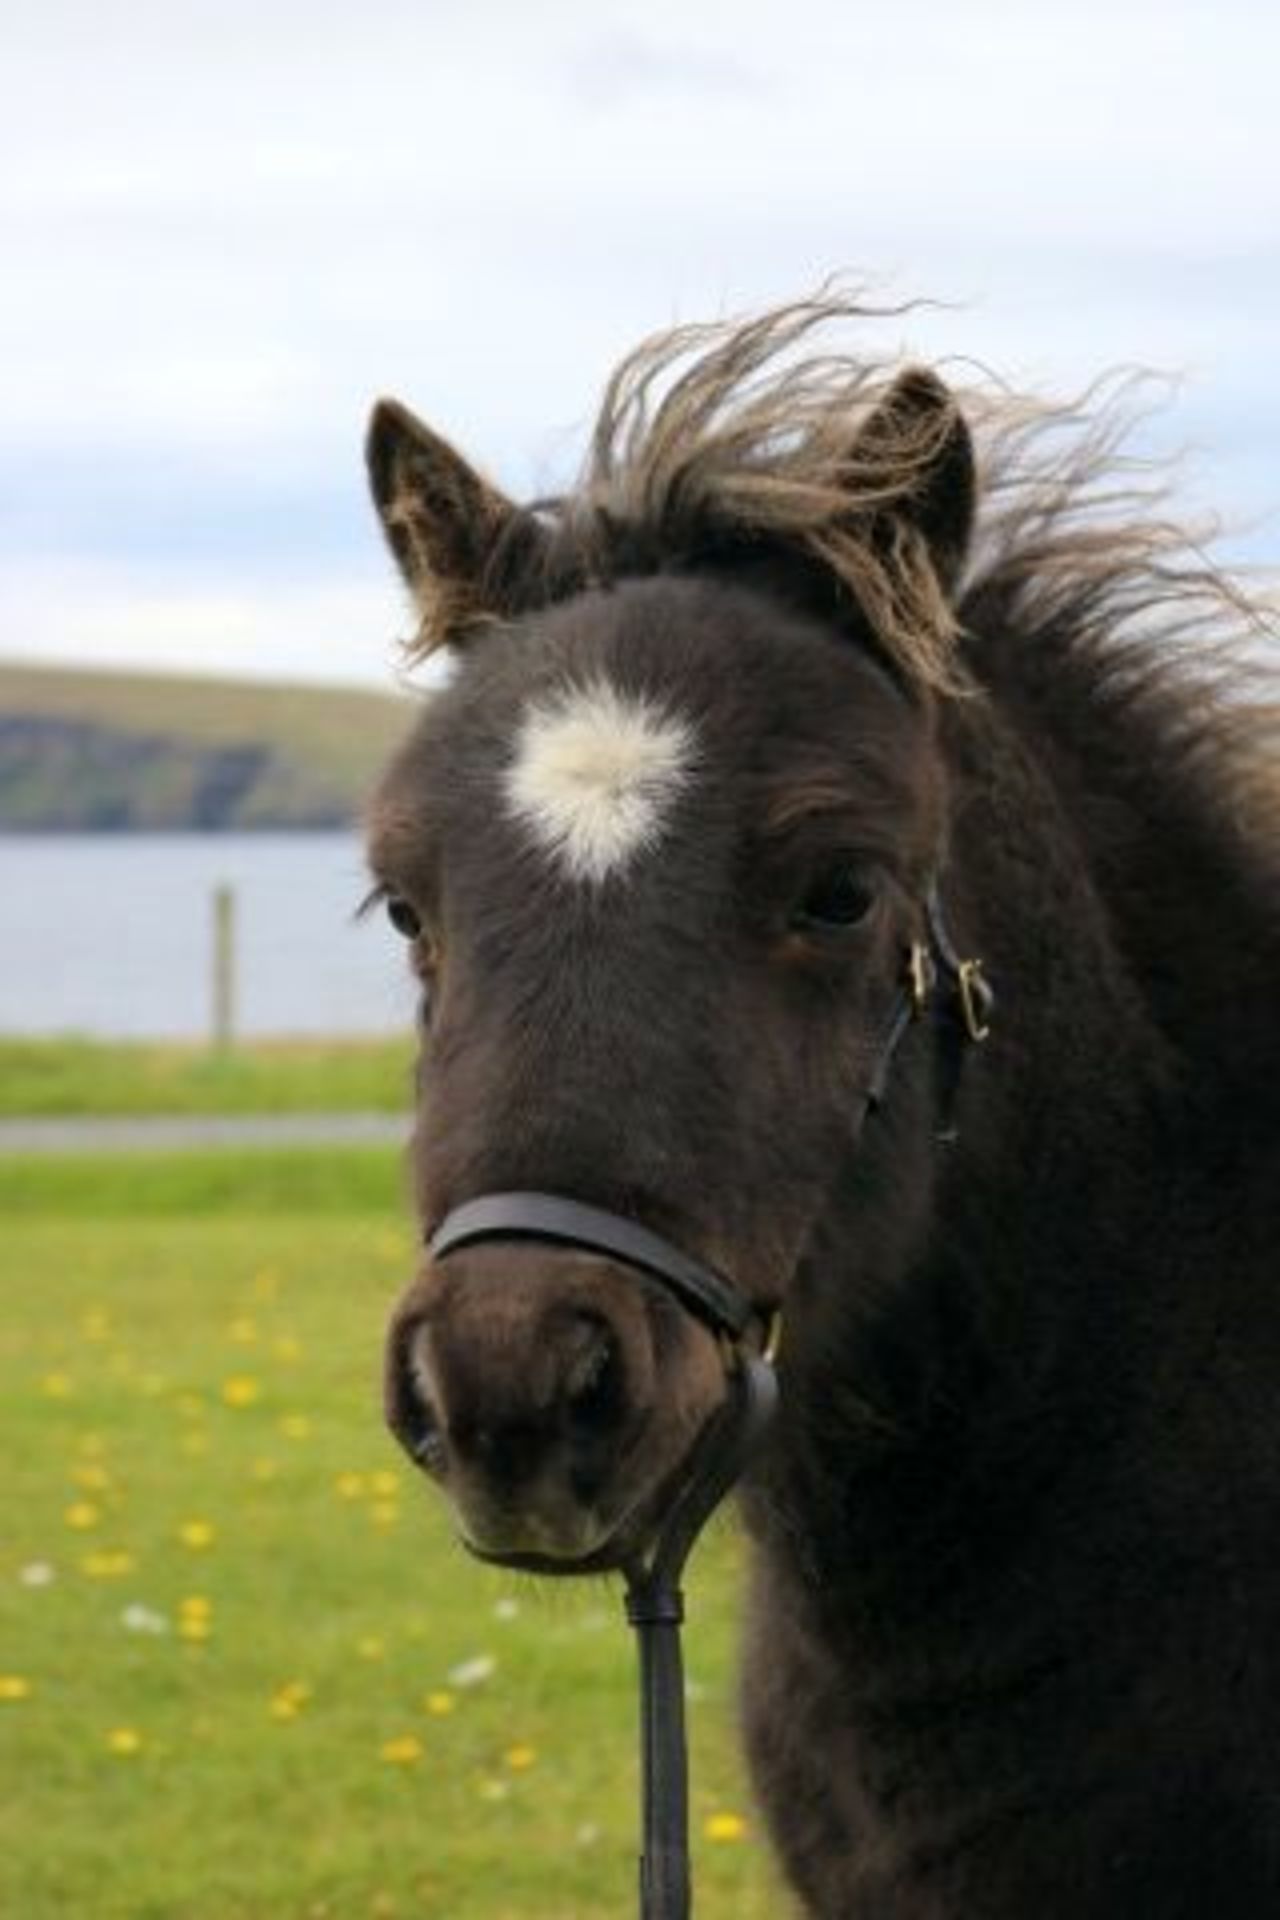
pixel 164 1133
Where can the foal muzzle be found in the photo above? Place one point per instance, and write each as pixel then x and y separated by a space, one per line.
pixel 748 1340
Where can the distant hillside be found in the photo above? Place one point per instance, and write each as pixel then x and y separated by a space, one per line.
pixel 112 752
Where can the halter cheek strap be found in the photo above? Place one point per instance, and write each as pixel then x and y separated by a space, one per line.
pixel 967 1002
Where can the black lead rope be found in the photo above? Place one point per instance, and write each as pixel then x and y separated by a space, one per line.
pixel 655 1608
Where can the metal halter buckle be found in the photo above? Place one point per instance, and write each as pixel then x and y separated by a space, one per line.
pixel 921 975
pixel 976 999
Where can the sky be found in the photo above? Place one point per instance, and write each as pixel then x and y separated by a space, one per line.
pixel 226 228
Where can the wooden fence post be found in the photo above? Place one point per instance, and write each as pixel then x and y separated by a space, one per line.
pixel 224 966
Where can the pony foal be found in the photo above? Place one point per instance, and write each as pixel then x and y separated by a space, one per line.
pixel 818 659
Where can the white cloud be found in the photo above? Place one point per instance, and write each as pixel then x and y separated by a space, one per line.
pixel 345 630
pixel 225 226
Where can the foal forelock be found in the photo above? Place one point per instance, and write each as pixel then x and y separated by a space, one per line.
pixel 594 774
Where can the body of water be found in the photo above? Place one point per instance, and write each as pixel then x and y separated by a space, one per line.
pixel 111 935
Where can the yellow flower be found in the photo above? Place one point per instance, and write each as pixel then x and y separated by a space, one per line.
pixel 93 1478
pixel 94 1324
pixel 194 1626
pixel 384 1485
pixel 349 1486
pixel 294 1426
pixel 58 1386
pixel 439 1704
pixel 241 1390
pixel 263 1469
pixel 403 1751
pixel 243 1330
pixel 107 1564
pixel 14 1686
pixel 724 1826
pixel 384 1513
pixel 520 1759
pixel 197 1534
pixel 288 1349
pixel 124 1740
pixel 288 1700
pixel 82 1515
pixel 196 1606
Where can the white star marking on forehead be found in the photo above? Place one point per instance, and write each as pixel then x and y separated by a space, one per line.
pixel 594 774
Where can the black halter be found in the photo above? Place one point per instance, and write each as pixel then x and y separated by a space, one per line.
pixel 655 1604
pixel 548 1217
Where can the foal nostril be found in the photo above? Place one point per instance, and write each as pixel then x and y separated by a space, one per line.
pixel 410 1415
pixel 416 1428
pixel 592 1382
pixel 427 1445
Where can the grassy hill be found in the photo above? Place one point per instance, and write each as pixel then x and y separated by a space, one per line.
pixel 83 751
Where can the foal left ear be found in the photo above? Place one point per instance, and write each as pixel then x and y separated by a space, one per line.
pixel 442 520
pixel 917 447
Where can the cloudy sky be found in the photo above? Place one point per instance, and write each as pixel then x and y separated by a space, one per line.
pixel 226 227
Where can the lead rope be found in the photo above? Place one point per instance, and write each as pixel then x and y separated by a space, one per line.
pixel 655 1608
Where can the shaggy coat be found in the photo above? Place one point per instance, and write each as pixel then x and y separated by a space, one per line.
pixel 1013 1629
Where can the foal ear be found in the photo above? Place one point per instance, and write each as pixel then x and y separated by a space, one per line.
pixel 917 447
pixel 442 520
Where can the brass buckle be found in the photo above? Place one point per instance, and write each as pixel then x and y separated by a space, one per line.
pixel 920 977
pixel 975 999
pixel 772 1337
pixel 731 1350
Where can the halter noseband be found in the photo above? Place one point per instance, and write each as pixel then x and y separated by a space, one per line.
pixel 550 1218
pixel 655 1604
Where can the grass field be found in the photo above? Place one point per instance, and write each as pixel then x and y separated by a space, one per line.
pixel 245 1674
pixel 80 1076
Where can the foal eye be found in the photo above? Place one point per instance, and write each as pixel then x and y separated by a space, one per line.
pixel 403 916
pixel 839 896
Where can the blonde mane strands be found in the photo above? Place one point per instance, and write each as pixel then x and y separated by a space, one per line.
pixel 1078 555
pixel 1076 548
pixel 720 426
pixel 733 430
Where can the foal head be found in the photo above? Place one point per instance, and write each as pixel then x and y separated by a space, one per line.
pixel 659 849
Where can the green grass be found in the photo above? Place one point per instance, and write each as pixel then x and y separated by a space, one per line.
pixel 168 1361
pixel 66 1077
pixel 250 1180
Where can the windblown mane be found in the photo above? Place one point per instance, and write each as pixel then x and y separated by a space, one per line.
pixel 728 438
pixel 1140 673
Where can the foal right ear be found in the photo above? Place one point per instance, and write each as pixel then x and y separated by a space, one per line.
pixel 441 518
